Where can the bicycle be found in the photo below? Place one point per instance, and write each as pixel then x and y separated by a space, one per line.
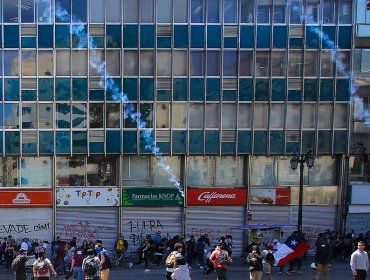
pixel 125 260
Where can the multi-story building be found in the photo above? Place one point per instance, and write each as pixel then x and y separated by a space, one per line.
pixel 227 90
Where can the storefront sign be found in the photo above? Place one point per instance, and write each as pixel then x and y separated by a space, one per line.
pixel 90 196
pixel 216 196
pixel 151 197
pixel 22 198
pixel 278 196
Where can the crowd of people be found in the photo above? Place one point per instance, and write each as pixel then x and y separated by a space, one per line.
pixel 91 261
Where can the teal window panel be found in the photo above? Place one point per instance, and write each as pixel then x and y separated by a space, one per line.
pixel 196 142
pixel 326 90
pixel 29 95
pixel 181 36
pixel 114 90
pixel 340 141
pixel 180 89
pixel 130 36
pixel 147 36
pixel 277 142
pixel 329 42
pixel 146 142
pixel 65 5
pixel 244 142
pixel 11 36
pixel 228 148
pixel 164 95
pixel 62 36
pixel 1 142
pixel 11 89
pixel 294 95
pixel 296 43
pixel 113 141
pixel 213 92
pixel 46 142
pixel 1 37
pixel 324 142
pixel 113 36
pixel 310 90
pixel 345 37
pixel 46 89
pixel 164 147
pixel 279 37
pixel 246 91
pixel 29 147
pixel 263 36
pixel 96 147
pixel 179 141
pixel 79 36
pixel 163 42
pixel 308 141
pixel 64 109
pixel 79 142
pixel 230 95
pixel 28 42
pixel 247 37
pixel 262 90
pixel 214 36
pixel 62 142
pixel 197 36
pixel 260 142
pixel 1 90
pixel 62 89
pixel 278 89
pixel 230 42
pixel 79 86
pixel 130 88
pixel 196 89
pixel 79 9
pixel 147 89
pixel 12 142
pixel 96 42
pixel 129 139
pixel 292 147
pixel 96 95
pixel 212 142
pixel 343 92
pixel 45 36
pixel 312 38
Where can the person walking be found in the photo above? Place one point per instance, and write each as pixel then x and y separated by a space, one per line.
pixel 42 266
pixel 220 259
pixel 19 265
pixel 76 266
pixel 171 260
pixel 267 260
pixel 359 262
pixel 323 257
pixel 102 254
pixel 255 261
pixel 91 266
pixel 181 271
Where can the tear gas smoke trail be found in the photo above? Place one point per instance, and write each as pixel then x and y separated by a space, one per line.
pixel 360 111
pixel 108 83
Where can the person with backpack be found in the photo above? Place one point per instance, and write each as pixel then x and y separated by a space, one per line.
pixel 254 259
pixel 220 259
pixel 19 265
pixel 76 266
pixel 171 260
pixel 106 264
pixel 42 266
pixel 91 265
pixel 268 260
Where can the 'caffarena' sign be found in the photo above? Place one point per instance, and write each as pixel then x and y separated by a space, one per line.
pixel 213 196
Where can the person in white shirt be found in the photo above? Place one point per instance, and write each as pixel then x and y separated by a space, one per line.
pixel 24 245
pixel 359 262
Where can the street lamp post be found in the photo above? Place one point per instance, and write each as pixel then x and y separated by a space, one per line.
pixel 309 159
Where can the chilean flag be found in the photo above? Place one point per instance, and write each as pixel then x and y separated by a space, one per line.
pixel 292 248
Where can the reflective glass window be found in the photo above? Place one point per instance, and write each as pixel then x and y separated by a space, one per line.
pixel 113 113
pixel 79 115
pixel 246 11
pixel 96 115
pixel 97 11
pixel 131 11
pixel 213 11
pixel 230 63
pixel 146 63
pixel 11 115
pixel 164 11
pixel 45 63
pixel 10 11
pixel 11 64
pixel 70 171
pixel 46 115
pixel 101 171
pixel 27 11
pixel 262 63
pixel 29 116
pixel 63 63
pixel 79 10
pixel 11 89
pixel 197 63
pixel 36 172
pixel 63 115
pixel 196 115
pixel 28 63
pixel 180 11
pixel 197 11
pixel 9 171
pixel 213 63
pixel 114 14
pixel 44 11
pixel 164 63
pixel 62 10
pixel 79 62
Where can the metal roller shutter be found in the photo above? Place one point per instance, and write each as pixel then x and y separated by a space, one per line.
pixel 89 224
pixel 137 222
pixel 33 223
pixel 359 223
pixel 216 221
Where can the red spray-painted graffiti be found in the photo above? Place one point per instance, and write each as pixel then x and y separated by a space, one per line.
pixel 81 230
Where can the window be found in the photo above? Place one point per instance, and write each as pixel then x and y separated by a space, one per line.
pixel 101 171
pixel 161 177
pixel 79 63
pixel 246 63
pixel 311 63
pixel 262 64
pixel 230 63
pixel 180 11
pixel 277 115
pixel 45 63
pixel 162 115
pixel 164 63
pixel 197 63
pixel 197 11
pixel 260 119
pixel 293 116
pixel 29 116
pixel 70 171
pixel 278 63
pixel 308 115
pixel 345 11
pixel 213 63
pixel 340 115
pixel 44 11
pixel 212 115
pixel 11 63
pixel 164 11
pixel 63 63
pixel 146 11
pixel 245 115
pixel 136 171
pixel 130 63
pixel 46 115
pixel 11 116
pixel 28 63
pixel 213 11
pixel 36 172
pixel 79 115
pixel 10 11
pixel 326 64
pixel 113 113
pixel 180 62
pixel 296 12
pixel 280 11
pixel 328 12
pixel 9 175
pixel 228 116
pixel 131 11
pixel 63 115
pixel 27 11
pixel 146 63
pixel 179 115
pixel 312 11
pixel 246 11
pixel 230 11
pixel 196 115
pixel 263 11
pixel 96 115
pixel 295 64
pixel 113 14
pixel 113 62
pixel 325 116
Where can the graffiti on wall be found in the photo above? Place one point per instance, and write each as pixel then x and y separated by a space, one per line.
pixel 83 230
pixel 33 231
pixel 214 234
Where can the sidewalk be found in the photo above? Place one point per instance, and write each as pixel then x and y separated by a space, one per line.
pixel 339 271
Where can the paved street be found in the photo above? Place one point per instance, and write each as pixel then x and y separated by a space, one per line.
pixel 340 271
